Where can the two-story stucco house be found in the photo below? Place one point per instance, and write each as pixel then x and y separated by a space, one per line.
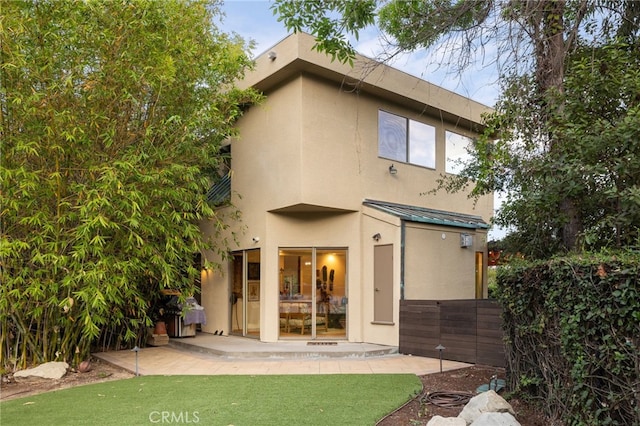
pixel 331 174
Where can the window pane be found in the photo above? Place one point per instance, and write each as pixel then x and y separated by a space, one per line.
pixel 456 152
pixel 422 144
pixel 392 136
pixel 331 293
pixel 297 286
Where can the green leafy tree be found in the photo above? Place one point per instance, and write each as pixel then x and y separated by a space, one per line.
pixel 597 163
pixel 529 152
pixel 112 115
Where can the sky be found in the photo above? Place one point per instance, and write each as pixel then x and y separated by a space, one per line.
pixel 254 20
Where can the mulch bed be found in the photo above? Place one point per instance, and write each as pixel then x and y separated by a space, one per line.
pixel 419 410
pixel 100 372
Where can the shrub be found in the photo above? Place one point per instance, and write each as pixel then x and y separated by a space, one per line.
pixel 572 330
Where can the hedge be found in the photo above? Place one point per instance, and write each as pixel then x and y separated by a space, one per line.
pixel 572 335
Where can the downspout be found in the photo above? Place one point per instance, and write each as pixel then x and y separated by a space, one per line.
pixel 402 236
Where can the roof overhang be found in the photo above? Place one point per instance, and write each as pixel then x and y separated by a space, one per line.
pixel 309 208
pixel 295 56
pixel 430 216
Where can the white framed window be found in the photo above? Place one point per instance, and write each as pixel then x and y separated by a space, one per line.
pixel 457 149
pixel 405 140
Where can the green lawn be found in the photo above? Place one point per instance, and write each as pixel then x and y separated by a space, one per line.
pixel 219 400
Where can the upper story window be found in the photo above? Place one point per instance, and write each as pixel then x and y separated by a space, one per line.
pixel 406 140
pixel 457 152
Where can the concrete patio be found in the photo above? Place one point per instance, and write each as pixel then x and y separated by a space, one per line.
pixel 207 354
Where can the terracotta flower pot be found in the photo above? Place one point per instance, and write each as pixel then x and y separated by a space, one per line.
pixel 161 328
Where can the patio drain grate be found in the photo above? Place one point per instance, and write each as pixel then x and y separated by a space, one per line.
pixel 321 343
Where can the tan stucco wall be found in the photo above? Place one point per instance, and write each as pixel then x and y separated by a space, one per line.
pixel 339 134
pixel 215 294
pixel 436 267
pixel 320 231
pixel 267 155
pixel 310 138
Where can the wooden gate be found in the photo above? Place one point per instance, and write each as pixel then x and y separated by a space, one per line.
pixel 470 330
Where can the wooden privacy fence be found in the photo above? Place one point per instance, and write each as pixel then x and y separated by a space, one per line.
pixel 470 330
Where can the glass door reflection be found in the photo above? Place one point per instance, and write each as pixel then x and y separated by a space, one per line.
pixel 312 293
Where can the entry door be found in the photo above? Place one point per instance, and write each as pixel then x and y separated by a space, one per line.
pixel 245 294
pixel 479 275
pixel 383 284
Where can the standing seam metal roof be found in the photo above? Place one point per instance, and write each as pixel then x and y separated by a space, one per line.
pixel 425 215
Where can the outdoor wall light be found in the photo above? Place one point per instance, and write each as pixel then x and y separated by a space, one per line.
pixel 204 264
pixel 392 170
pixel 377 237
pixel 272 55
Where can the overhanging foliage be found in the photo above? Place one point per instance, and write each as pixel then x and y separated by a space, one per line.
pixel 597 163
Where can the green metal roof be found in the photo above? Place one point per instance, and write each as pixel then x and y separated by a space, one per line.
pixel 220 192
pixel 425 215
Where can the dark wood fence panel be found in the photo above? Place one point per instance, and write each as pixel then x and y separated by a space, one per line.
pixel 490 345
pixel 457 330
pixel 470 330
pixel 423 336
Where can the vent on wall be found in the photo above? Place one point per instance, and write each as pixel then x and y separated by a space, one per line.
pixel 466 240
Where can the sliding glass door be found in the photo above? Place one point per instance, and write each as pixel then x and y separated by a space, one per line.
pixel 313 293
pixel 245 293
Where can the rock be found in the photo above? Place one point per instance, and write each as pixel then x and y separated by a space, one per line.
pixel 48 370
pixel 446 421
pixel 84 366
pixel 496 419
pixel 486 402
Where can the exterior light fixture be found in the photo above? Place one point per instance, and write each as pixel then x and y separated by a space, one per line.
pixel 136 349
pixel 440 348
pixel 466 240
pixel 392 170
pixel 377 237
pixel 272 55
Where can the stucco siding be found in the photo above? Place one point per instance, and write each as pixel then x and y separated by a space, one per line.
pixel 436 267
pixel 266 157
pixel 303 164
